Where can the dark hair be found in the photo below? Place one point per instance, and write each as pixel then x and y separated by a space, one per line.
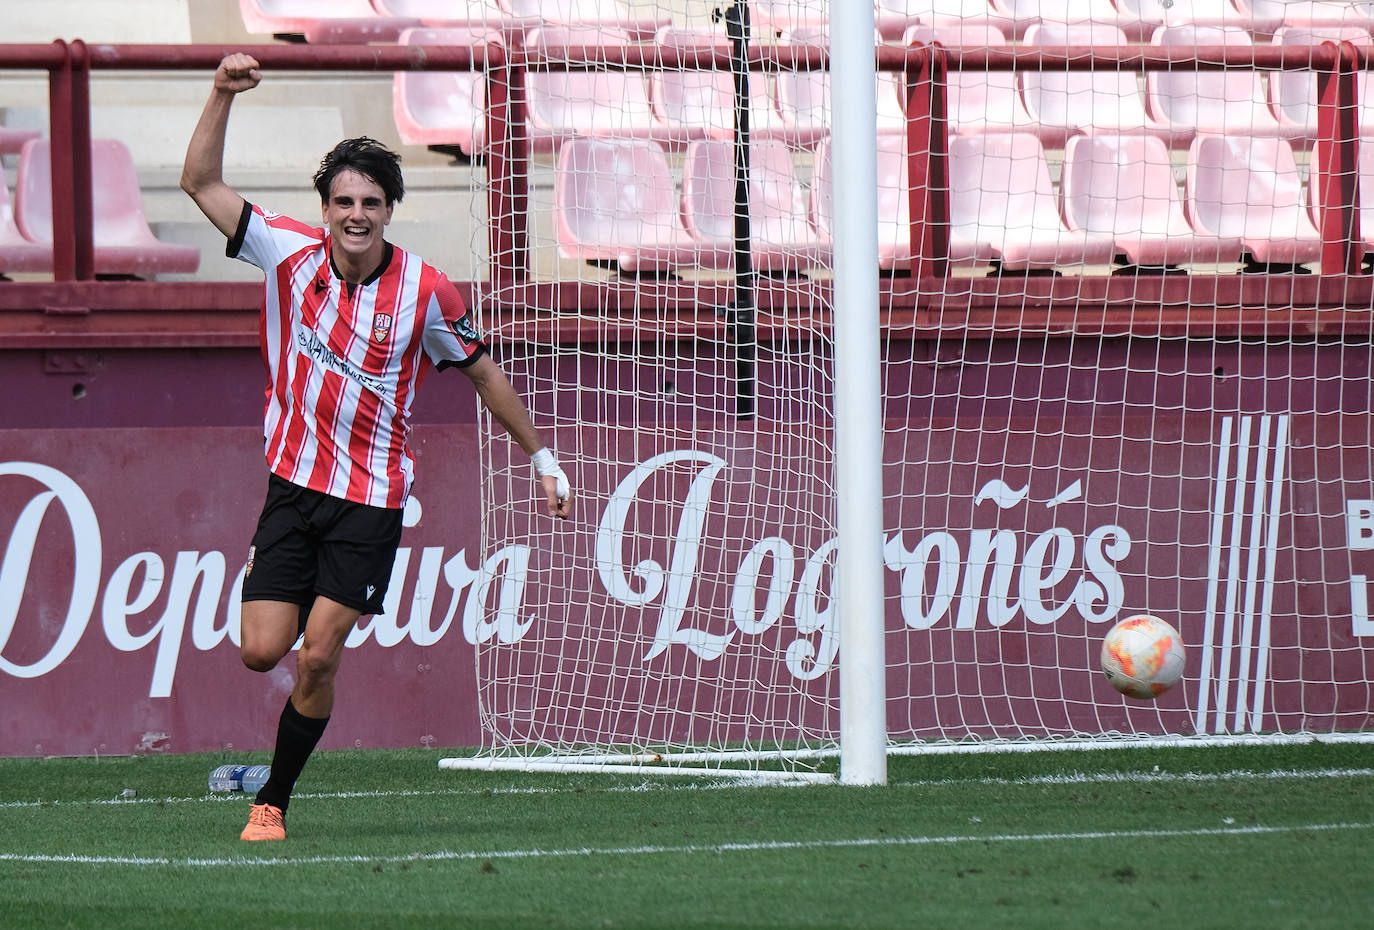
pixel 369 158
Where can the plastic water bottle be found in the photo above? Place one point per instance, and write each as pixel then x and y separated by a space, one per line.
pixel 227 778
pixel 254 777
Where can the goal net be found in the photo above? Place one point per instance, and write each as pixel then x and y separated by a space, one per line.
pixel 1111 384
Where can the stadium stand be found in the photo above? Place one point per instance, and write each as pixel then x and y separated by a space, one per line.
pixel 894 208
pixel 1210 13
pixel 1250 188
pixel 894 17
pixel 978 101
pixel 1190 102
pixel 781 235
pixel 1062 101
pixel 1309 14
pixel 601 14
pixel 700 104
pixel 1003 207
pixel 803 97
pixel 124 243
pixel 615 202
pixel 1293 94
pixel 772 18
pixel 562 104
pixel 1024 14
pixel 1124 186
pixel 444 109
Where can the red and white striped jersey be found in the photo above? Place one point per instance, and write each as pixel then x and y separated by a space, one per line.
pixel 344 362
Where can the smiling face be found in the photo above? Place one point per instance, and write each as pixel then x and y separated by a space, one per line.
pixel 356 215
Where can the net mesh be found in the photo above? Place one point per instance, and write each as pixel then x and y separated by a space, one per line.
pixel 1120 391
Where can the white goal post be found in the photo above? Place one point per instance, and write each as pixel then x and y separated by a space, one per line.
pixel 892 498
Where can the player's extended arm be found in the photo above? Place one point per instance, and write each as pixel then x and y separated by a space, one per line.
pixel 505 404
pixel 202 175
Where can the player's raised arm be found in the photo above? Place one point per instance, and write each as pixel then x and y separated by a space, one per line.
pixel 202 174
pixel 505 404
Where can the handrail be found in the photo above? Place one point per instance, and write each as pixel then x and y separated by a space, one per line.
pixel 924 67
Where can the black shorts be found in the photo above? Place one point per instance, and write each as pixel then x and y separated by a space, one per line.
pixel 310 544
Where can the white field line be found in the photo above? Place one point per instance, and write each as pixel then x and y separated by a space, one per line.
pixel 584 851
pixel 1073 778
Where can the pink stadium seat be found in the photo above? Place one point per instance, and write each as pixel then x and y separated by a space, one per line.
pixel 1293 94
pixel 1310 14
pixel 442 108
pixel 1156 13
pixel 18 254
pixel 1124 186
pixel 563 104
pixel 295 17
pixel 979 101
pixel 1248 187
pixel 1223 102
pixel 12 140
pixel 1062 101
pixel 804 96
pixel 894 209
pixel 772 18
pixel 1026 13
pixel 894 17
pixel 1003 207
pixel 446 12
pixel 615 202
pixel 609 14
pixel 781 235
pixel 124 244
pixel 701 103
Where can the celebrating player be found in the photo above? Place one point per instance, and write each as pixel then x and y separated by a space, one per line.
pixel 349 324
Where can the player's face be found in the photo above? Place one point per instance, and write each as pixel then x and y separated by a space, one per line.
pixel 357 216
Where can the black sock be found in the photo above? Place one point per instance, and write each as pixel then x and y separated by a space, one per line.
pixel 296 739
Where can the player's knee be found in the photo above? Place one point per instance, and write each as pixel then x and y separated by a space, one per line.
pixel 259 660
pixel 314 668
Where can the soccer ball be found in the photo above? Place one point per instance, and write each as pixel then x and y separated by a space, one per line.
pixel 1142 656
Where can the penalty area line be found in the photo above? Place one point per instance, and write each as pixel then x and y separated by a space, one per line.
pixel 719 848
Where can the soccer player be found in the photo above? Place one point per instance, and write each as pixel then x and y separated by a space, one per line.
pixel 350 324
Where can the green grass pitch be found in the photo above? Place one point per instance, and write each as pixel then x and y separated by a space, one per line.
pixel 1251 837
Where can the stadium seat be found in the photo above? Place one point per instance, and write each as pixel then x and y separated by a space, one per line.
pixel 1155 13
pixel 296 17
pixel 18 254
pixel 1310 14
pixel 607 103
pixel 439 14
pixel 615 201
pixel 607 14
pixel 1189 101
pixel 804 96
pixel 773 18
pixel 1124 186
pixel 442 108
pixel 1003 208
pixel 1024 14
pixel 1248 187
pixel 894 17
pixel 781 236
pixel 1063 101
pixel 700 104
pixel 12 140
pixel 979 101
pixel 123 242
pixel 1293 94
pixel 894 207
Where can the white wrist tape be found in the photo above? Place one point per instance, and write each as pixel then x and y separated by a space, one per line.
pixel 545 465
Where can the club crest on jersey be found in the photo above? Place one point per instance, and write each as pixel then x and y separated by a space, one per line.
pixel 464 329
pixel 381 326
